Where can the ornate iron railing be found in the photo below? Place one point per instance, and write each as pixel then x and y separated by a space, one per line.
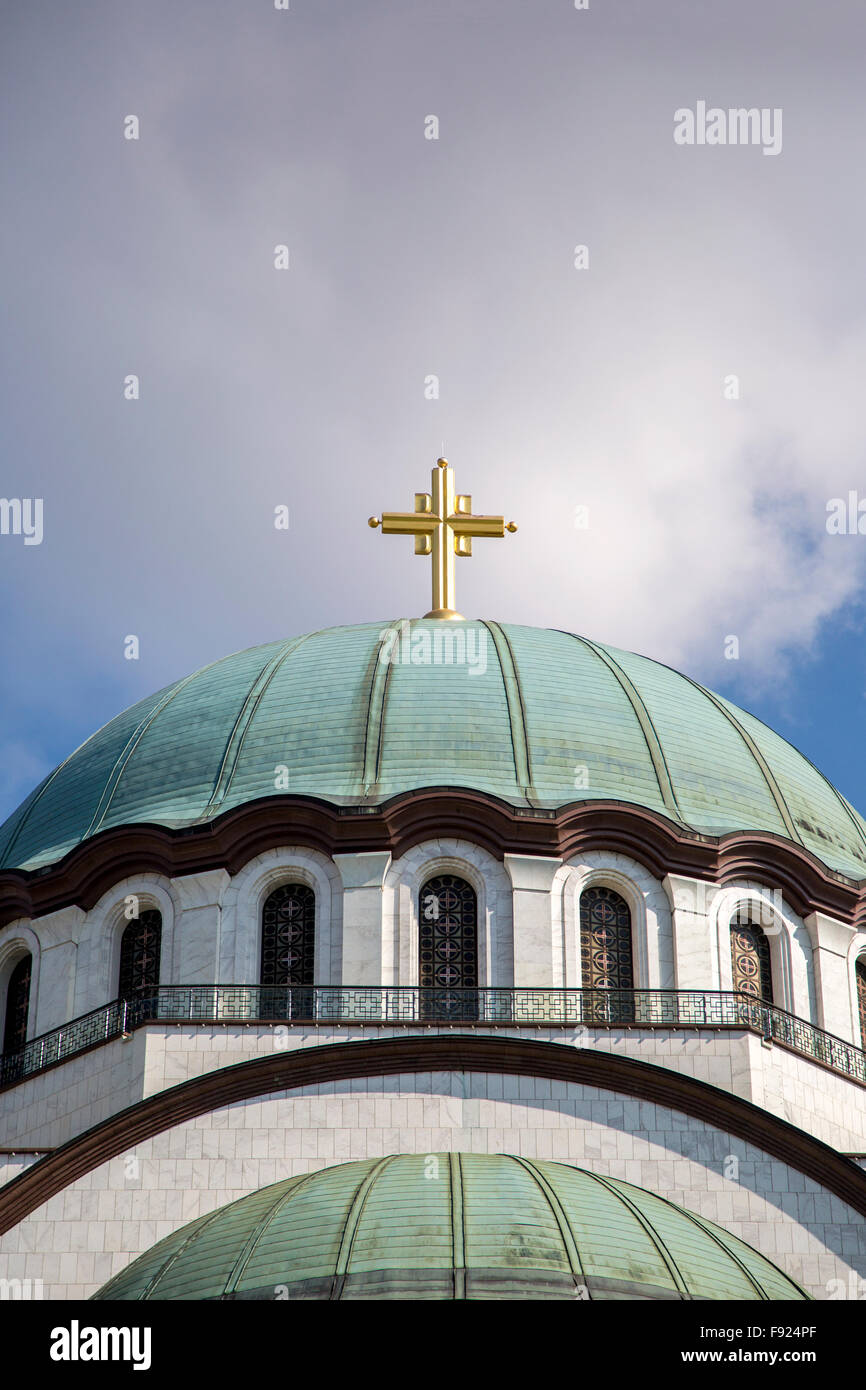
pixel 99 1026
pixel 368 1005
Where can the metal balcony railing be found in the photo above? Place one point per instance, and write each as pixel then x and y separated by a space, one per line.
pixel 80 1034
pixel 338 1005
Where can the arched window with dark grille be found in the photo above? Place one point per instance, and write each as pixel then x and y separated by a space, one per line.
pixel 448 947
pixel 17 1005
pixel 288 952
pixel 860 976
pixel 139 954
pixel 606 955
pixel 750 959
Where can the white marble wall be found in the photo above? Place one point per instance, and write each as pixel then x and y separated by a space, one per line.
pixel 367 929
pixel 538 954
pixel 17 940
pixel 55 1105
pixel 97 965
pixel 649 905
pixel 400 929
pixel 243 897
pixel 12 1164
pixel 58 1104
pixel 835 948
pixel 702 913
pixel 79 1238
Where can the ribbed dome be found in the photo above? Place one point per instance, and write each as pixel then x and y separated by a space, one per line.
pixel 447 1226
pixel 533 716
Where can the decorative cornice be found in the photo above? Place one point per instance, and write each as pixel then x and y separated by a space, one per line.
pixel 442 1052
pixel 229 841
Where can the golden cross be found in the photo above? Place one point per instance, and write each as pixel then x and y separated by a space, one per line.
pixel 443 526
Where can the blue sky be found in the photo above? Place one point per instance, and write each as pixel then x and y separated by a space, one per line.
pixel 558 387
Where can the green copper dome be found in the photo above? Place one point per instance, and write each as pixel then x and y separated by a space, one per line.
pixel 533 716
pixel 451 1226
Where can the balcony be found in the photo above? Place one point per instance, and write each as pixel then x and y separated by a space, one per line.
pixel 362 1006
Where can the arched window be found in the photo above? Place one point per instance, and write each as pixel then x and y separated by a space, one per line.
pixel 139 954
pixel 606 954
pixel 750 958
pixel 860 975
pixel 448 945
pixel 288 952
pixel 605 940
pixel 17 1005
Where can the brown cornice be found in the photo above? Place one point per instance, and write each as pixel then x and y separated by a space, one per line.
pixel 232 839
pixel 443 1052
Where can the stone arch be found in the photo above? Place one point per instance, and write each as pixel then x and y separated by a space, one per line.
pixel 16 942
pixel 245 897
pixel 857 966
pixel 98 963
pixel 787 936
pixel 488 877
pixel 651 933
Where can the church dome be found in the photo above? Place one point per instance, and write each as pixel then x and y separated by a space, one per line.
pixel 443 1226
pixel 533 716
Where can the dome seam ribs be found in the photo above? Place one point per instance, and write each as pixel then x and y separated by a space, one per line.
pixel 647 727
pixel 60 766
pixel 763 766
pixel 752 1278
pixel 656 1239
pixel 572 1252
pixel 374 724
pixel 163 1269
pixel 250 705
pixel 353 1219
pixel 45 785
pixel 696 1221
pixel 112 780
pixel 252 1240
pixel 516 716
pixel 849 810
pixel 122 761
pixel 12 826
pixel 458 1225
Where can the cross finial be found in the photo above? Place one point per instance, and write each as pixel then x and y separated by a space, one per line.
pixel 443 526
